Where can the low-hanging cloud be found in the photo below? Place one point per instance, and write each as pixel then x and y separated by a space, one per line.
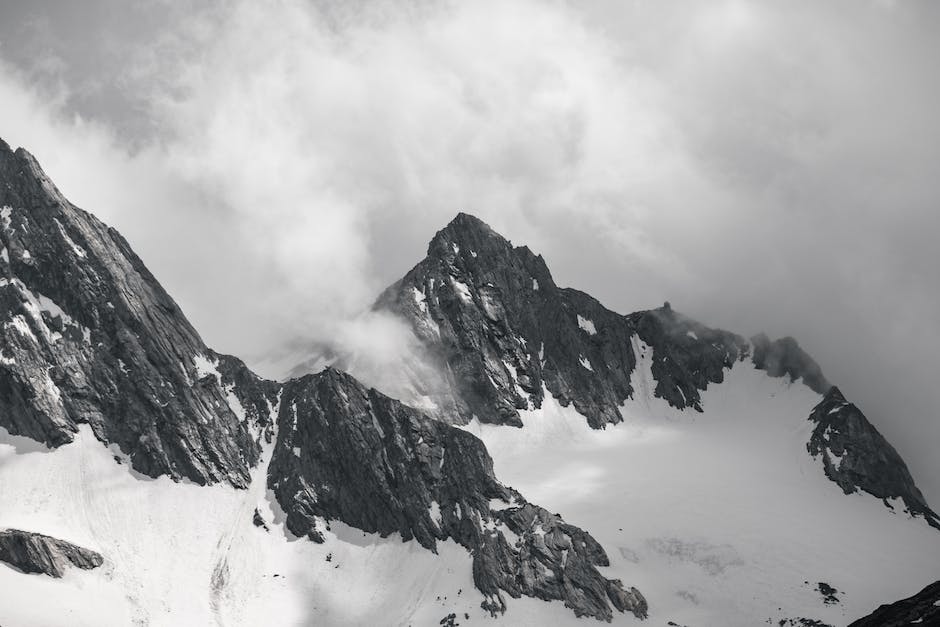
pixel 762 166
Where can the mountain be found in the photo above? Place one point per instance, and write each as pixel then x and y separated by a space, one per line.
pixel 729 467
pixel 507 336
pixel 503 330
pixel 200 493
pixel 572 464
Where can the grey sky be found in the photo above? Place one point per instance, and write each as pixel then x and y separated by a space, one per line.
pixel 763 166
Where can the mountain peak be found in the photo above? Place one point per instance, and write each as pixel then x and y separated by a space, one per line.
pixel 33 182
pixel 465 231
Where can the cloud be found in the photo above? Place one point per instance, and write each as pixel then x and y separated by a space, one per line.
pixel 762 166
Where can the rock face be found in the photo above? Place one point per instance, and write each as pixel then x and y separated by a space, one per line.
pixel 857 457
pixel 504 332
pixel 351 454
pixel 921 609
pixel 36 553
pixel 89 336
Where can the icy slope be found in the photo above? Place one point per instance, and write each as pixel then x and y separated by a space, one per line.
pixel 721 517
pixel 182 554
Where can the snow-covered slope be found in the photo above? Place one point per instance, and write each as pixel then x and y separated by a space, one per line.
pixel 720 517
pixel 178 553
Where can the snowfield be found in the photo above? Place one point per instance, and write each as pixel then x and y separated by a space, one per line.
pixel 182 554
pixel 722 517
pixel 718 518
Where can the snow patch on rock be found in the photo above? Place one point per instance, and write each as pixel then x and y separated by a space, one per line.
pixel 78 250
pixel 587 325
pixel 462 290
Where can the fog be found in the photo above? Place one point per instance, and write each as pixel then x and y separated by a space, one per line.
pixel 763 166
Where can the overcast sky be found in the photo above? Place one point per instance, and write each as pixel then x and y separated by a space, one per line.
pixel 764 166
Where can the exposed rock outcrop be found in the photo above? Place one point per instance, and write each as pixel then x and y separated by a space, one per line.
pixel 857 457
pixel 922 609
pixel 36 553
pixel 351 454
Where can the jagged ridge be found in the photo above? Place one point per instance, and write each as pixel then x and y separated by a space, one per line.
pixel 90 336
pixel 349 453
pixel 857 457
pixel 504 333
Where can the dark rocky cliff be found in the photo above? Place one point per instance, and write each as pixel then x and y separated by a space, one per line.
pixel 351 454
pixel 89 336
pixel 857 457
